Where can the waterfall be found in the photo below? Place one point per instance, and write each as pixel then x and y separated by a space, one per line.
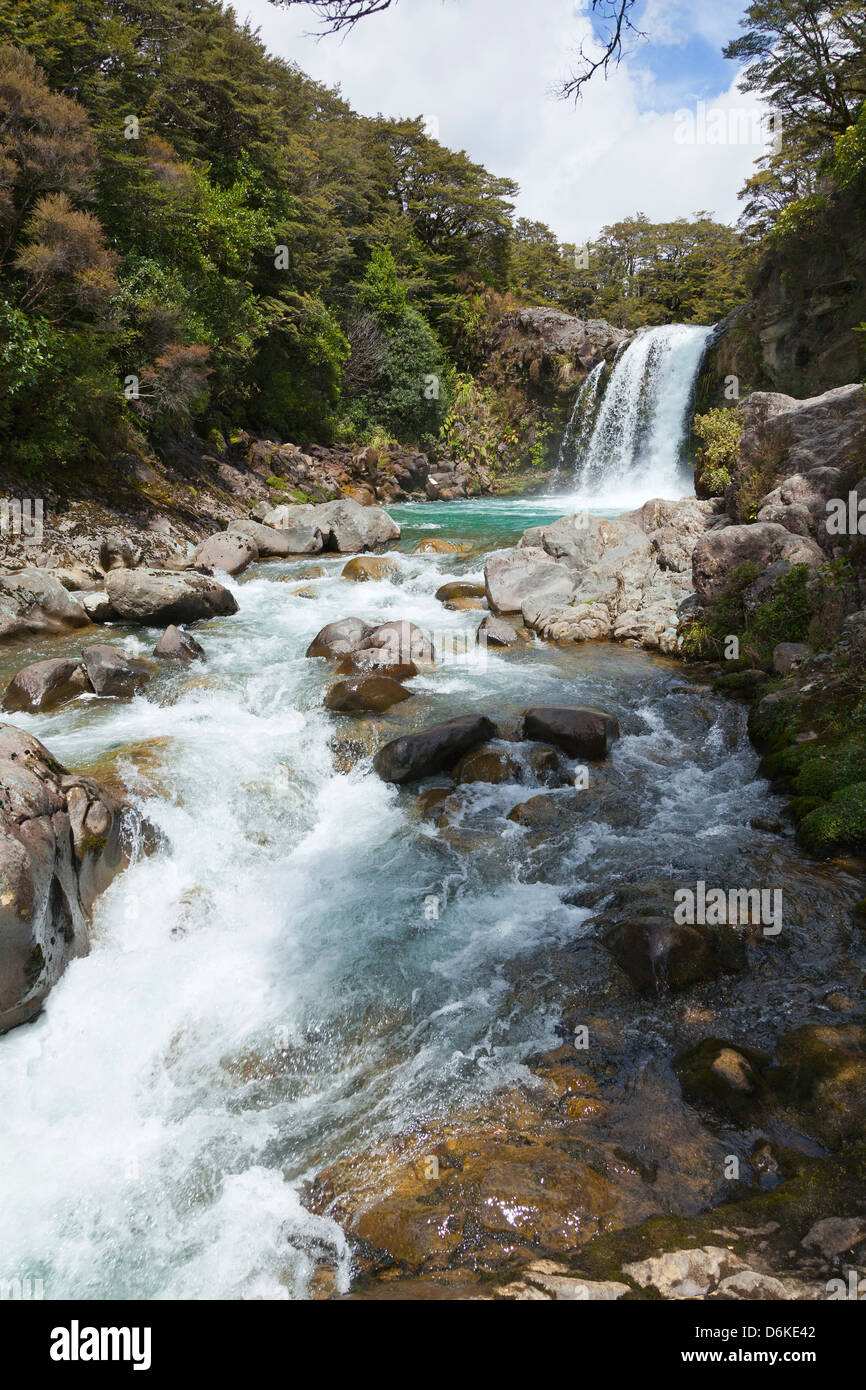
pixel 582 419
pixel 634 446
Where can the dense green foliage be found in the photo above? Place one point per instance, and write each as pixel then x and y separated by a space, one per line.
pixel 193 234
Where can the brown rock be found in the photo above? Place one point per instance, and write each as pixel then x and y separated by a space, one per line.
pixel 365 695
pixel 44 685
pixel 364 567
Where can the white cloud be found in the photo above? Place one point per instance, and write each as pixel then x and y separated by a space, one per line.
pixel 487 70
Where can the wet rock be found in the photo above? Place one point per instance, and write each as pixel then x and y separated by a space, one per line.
pixel 446 593
pixel 580 731
pixel 365 695
pixel 729 1078
pixel 787 655
pixel 496 632
pixel 658 955
pixel 513 576
pixel 62 840
pixel 364 567
pixel 159 597
pixel 44 685
pixel 437 545
pixel 401 641
pixel 343 526
pixel 112 672
pixel 269 542
pixel 544 812
pixel 32 600
pixel 227 551
pixel 376 661
pixel 337 639
pixel 438 749
pixel 512 762
pixel 175 645
pixel 820 1079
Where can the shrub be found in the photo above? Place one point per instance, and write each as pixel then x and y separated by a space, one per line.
pixel 719 432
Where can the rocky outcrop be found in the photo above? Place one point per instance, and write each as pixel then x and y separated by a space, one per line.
pixel 62 840
pixel 718 554
pixel 32 600
pixel 343 526
pixel 158 597
pixel 584 578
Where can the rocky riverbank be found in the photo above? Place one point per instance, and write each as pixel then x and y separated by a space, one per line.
pixel 693 1125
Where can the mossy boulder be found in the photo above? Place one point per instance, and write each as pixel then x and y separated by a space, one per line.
pixel 726 1077
pixel 821 1079
pixel 837 826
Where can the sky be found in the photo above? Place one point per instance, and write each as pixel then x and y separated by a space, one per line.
pixel 667 134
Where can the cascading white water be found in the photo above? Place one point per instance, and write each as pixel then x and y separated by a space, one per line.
pixel 635 447
pixel 582 418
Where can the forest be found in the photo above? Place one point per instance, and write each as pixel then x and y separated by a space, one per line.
pixel 195 237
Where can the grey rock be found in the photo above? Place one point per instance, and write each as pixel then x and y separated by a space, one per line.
pixel 228 551
pixel 175 645
pixel 44 685
pixel 62 841
pixel 267 539
pixel 787 655
pixel 32 600
pixel 159 597
pixel 437 749
pixel 112 672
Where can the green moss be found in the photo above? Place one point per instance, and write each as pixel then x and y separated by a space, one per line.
pixel 837 826
pixel 746 682
pixel 828 771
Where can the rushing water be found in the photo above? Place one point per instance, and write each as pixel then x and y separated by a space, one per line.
pixel 269 990
pixel 628 446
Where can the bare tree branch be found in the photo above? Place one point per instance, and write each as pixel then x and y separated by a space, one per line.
pixel 616 14
pixel 338 15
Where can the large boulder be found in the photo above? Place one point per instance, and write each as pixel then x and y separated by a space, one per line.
pixel 32 600
pixel 112 672
pixel 159 597
pixel 228 551
pixel 723 549
pixel 513 576
pixel 579 730
pixel 44 685
pixel 337 639
pixel 267 539
pixel 438 749
pixel 62 841
pixel 343 526
pixel 299 525
pixel 400 641
pixel 365 695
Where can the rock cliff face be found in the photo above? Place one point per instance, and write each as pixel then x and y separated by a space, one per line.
pixel 797 336
pixel 62 841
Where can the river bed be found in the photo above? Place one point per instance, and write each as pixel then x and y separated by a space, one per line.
pixel 305 965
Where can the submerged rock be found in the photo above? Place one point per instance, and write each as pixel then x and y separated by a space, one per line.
pixel 62 840
pixel 658 955
pixel 438 749
pixel 376 661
